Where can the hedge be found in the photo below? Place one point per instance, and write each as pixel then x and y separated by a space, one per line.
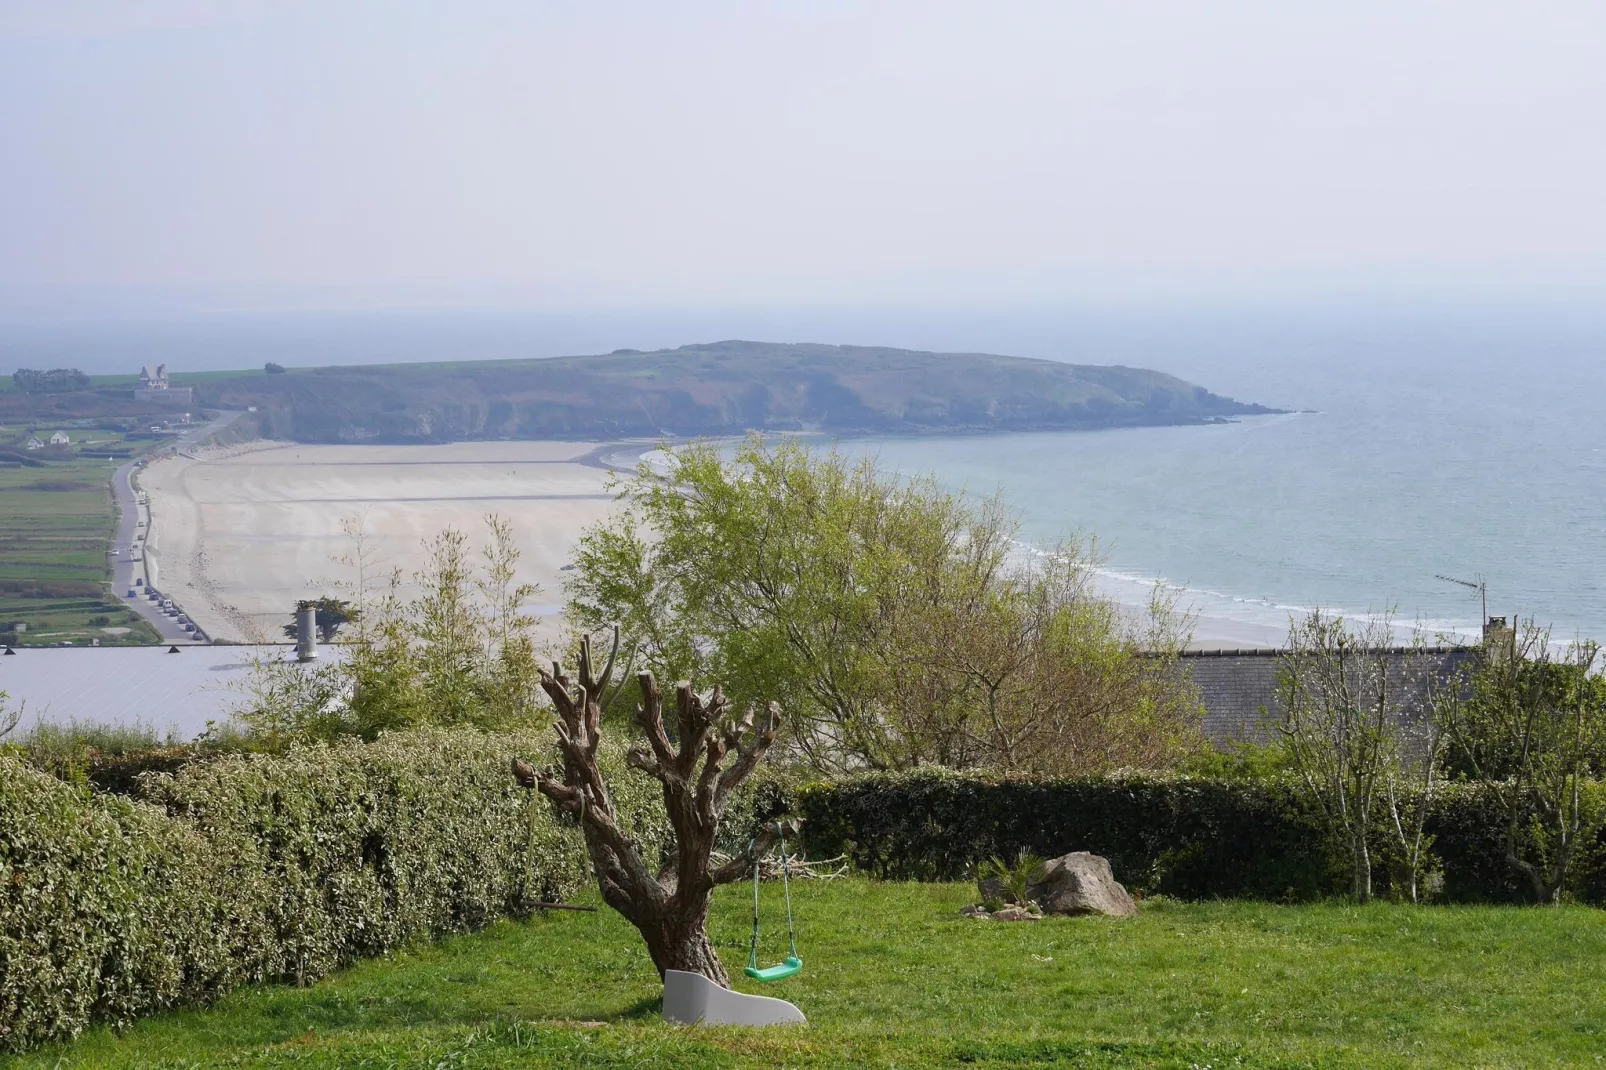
pixel 252 868
pixel 1188 837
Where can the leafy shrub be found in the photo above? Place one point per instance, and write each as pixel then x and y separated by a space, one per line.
pixel 1015 877
pixel 54 381
pixel 251 867
pixel 1182 836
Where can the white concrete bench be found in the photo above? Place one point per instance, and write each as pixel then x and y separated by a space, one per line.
pixel 691 998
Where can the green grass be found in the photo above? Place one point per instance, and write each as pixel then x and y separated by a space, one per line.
pixel 56 524
pixel 894 977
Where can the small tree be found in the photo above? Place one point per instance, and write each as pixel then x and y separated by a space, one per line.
pixel 886 614
pixel 273 369
pixel 713 752
pixel 1343 696
pixel 9 717
pixel 1533 729
pixel 1412 764
pixel 460 653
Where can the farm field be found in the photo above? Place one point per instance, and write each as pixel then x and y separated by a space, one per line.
pixel 56 524
pixel 895 977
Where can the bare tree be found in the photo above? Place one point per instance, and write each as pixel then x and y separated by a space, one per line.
pixel 1342 696
pixel 9 717
pixel 1411 778
pixel 712 753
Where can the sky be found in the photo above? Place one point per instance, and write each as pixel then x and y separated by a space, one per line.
pixel 517 153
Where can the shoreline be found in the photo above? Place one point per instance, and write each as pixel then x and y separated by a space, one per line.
pixel 246 533
pixel 249 529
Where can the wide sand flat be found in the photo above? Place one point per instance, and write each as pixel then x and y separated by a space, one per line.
pixel 240 537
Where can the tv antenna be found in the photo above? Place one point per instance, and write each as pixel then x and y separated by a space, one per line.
pixel 1481 586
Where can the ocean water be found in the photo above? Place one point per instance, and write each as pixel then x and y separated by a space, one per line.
pixel 1465 445
pixel 1437 438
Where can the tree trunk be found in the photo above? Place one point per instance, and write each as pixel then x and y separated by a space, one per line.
pixel 714 751
pixel 678 940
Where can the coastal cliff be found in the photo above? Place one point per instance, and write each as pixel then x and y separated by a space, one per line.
pixel 712 389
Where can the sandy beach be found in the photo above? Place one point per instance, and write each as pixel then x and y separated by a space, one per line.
pixel 242 534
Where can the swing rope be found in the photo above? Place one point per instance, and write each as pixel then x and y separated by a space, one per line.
pixel 793 963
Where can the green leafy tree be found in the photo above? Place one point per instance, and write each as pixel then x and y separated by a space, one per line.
pixel 889 616
pixel 54 381
pixel 1532 726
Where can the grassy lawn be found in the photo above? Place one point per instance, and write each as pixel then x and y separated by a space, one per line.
pixel 56 523
pixel 895 978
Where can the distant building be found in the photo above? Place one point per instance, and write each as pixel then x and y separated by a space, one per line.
pixel 34 443
pixel 1239 687
pixel 153 386
pixel 59 439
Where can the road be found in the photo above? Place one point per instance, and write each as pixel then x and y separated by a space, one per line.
pixel 134 520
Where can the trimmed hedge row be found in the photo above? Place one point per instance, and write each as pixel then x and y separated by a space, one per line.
pixel 1188 837
pixel 251 868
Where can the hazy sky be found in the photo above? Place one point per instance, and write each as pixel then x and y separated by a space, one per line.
pixel 595 153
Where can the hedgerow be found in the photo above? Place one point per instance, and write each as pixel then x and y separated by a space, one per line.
pixel 1188 837
pixel 252 868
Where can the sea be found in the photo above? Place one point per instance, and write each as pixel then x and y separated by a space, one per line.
pixel 1426 438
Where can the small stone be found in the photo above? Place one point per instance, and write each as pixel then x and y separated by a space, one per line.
pixel 1014 913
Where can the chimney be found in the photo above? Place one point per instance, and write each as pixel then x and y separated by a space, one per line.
pixel 306 632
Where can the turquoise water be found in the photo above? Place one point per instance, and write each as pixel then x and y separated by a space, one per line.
pixel 1456 439
pixel 1472 447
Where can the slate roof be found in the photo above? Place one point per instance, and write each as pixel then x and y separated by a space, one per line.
pixel 1239 687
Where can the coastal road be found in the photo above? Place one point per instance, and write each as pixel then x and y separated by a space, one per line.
pixel 134 519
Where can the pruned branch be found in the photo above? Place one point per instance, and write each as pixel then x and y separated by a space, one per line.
pixel 669 908
pixel 750 754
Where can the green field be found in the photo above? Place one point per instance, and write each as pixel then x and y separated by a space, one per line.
pixel 895 978
pixel 57 521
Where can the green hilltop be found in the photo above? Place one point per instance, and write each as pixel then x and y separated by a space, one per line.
pixel 717 388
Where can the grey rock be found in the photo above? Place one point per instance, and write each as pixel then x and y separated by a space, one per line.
pixel 1015 914
pixel 1079 883
pixel 993 891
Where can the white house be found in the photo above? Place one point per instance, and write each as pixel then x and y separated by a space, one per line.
pixel 34 443
pixel 59 439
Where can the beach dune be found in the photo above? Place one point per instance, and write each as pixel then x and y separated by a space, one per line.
pixel 244 534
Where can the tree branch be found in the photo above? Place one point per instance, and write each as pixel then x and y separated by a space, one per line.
pixel 742 865
pixel 650 715
pixel 750 755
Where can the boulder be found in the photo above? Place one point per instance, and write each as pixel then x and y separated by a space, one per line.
pixel 1079 883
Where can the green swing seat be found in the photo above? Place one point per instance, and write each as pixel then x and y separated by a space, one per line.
pixel 792 965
